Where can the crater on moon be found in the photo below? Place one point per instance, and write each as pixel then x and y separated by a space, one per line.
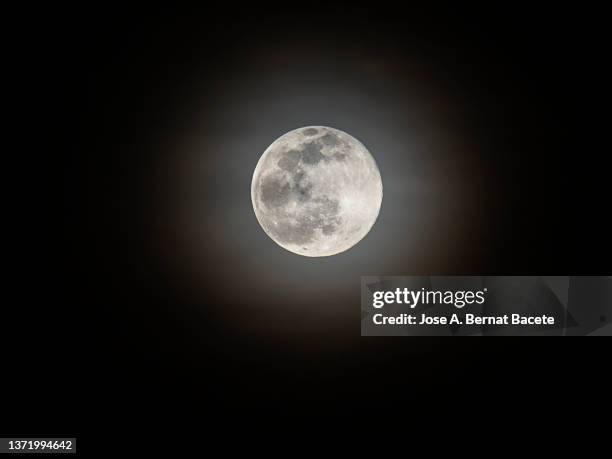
pixel 316 191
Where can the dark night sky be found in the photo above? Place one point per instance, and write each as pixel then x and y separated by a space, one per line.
pixel 165 291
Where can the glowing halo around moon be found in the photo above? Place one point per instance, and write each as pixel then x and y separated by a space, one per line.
pixel 316 191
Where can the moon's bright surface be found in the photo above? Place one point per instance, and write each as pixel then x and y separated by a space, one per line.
pixel 316 191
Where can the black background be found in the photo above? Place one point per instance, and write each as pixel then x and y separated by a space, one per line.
pixel 93 337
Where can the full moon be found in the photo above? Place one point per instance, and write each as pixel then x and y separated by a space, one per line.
pixel 316 191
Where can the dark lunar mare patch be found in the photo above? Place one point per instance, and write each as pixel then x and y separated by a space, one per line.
pixel 274 193
pixel 329 229
pixel 311 153
pixel 330 139
pixel 302 188
pixel 310 132
pixel 289 161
